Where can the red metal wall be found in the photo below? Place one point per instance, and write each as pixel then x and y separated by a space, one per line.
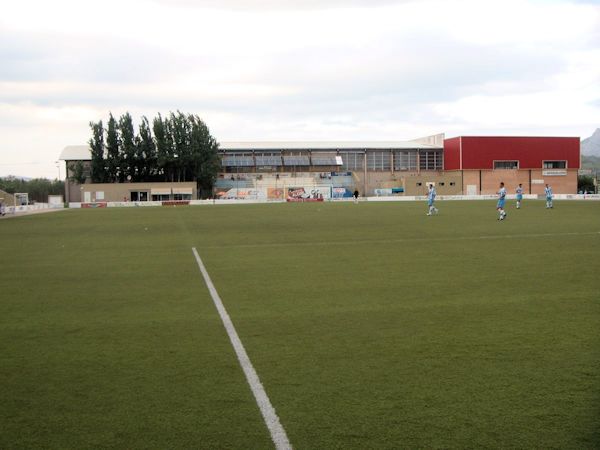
pixel 452 154
pixel 479 153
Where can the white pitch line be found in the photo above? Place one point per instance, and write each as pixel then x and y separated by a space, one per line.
pixel 278 434
pixel 400 240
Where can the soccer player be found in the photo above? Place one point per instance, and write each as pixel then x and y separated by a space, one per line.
pixel 519 192
pixel 501 199
pixel 549 196
pixel 431 200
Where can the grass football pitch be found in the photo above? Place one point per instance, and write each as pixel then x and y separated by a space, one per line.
pixel 370 326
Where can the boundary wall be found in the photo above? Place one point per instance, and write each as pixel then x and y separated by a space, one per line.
pixel 24 209
pixel 586 197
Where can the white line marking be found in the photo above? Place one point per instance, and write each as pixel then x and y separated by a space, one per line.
pixel 391 241
pixel 278 434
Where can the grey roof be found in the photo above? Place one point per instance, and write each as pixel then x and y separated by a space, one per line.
pixel 76 153
pixel 324 145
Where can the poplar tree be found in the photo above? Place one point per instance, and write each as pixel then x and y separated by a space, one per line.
pixel 97 149
pixel 182 149
pixel 113 157
pixel 206 162
pixel 127 151
pixel 145 155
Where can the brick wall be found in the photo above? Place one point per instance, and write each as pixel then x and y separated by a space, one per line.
pixel 490 181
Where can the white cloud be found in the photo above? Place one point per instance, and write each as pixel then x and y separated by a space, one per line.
pixel 266 69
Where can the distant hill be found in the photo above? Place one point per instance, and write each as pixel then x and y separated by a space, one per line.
pixel 590 162
pixel 591 145
pixel 17 177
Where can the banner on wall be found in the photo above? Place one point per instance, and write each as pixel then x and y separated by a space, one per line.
pixel 301 194
pixel 341 192
pixel 236 193
pixel 275 193
pixel 94 205
pixel 554 173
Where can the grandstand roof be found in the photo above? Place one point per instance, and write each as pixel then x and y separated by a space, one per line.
pixel 323 145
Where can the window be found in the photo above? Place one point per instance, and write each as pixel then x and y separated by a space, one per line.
pixel 452 183
pixel 431 160
pixel 441 183
pixel 419 184
pixel 237 160
pixel 182 196
pixel 501 165
pixel 296 159
pixel 352 160
pixel 378 160
pixel 138 196
pixel 405 160
pixel 555 165
pixel 268 159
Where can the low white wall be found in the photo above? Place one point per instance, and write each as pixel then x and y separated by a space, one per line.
pixel 29 208
pixel 587 197
pixel 132 204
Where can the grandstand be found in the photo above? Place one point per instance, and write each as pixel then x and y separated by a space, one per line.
pixel 332 168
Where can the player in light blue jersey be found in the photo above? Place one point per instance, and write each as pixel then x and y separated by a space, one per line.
pixel 431 200
pixel 519 192
pixel 501 199
pixel 549 196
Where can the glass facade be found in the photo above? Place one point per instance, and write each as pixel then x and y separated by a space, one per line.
pixel 376 160
pixel 405 160
pixel 379 160
pixel 431 160
pixel 352 160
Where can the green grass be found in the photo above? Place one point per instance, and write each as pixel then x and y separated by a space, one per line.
pixel 371 326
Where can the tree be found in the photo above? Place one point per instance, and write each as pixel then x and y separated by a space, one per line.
pixel 585 183
pixel 38 188
pixel 97 148
pixel 164 147
pixel 113 157
pixel 127 149
pixel 182 149
pixel 146 152
pixel 206 162
pixel 180 128
pixel 78 172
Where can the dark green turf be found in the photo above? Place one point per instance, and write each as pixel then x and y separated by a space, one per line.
pixel 371 326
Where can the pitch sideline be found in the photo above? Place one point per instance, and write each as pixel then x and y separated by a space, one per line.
pixel 278 434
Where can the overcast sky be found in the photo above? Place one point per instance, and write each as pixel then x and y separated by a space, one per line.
pixel 295 70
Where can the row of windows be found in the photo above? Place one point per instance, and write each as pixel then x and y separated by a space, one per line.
pixel 515 165
pixel 402 160
pixel 376 160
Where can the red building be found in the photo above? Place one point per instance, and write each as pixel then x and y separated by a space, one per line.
pixel 531 161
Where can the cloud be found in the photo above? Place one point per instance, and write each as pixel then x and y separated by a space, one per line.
pixel 50 56
pixel 278 5
pixel 299 69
